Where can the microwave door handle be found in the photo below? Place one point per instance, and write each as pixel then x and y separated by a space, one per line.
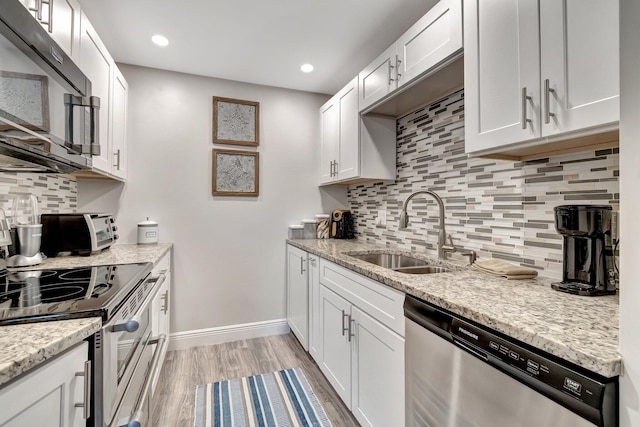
pixel 94 105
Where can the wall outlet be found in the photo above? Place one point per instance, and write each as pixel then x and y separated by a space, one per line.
pixel 381 219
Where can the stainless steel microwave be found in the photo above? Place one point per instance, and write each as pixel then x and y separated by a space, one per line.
pixel 49 121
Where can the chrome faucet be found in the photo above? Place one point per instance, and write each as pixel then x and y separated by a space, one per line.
pixel 443 248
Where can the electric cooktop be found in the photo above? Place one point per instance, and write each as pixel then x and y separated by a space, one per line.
pixel 28 296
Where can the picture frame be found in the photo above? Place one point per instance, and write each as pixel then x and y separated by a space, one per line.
pixel 236 121
pixel 15 88
pixel 236 173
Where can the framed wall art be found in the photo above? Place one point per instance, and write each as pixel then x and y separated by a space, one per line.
pixel 236 121
pixel 235 173
pixel 24 99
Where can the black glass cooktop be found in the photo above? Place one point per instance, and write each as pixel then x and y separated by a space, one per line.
pixel 40 295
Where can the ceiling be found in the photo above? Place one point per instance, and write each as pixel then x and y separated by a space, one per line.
pixel 255 41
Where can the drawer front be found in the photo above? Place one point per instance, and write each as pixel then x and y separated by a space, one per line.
pixel 379 301
pixel 163 264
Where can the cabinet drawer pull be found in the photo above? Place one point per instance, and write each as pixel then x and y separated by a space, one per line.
pixel 344 328
pixel 547 90
pixel 525 98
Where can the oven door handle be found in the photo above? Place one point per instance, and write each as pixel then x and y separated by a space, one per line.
pixel 133 323
pixel 139 417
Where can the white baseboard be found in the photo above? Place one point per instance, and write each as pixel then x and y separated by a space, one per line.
pixel 211 336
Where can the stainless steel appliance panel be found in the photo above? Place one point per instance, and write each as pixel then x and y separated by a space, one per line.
pixel 48 118
pixel 448 387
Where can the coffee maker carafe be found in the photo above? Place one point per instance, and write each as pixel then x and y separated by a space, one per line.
pixel 26 232
pixel 587 253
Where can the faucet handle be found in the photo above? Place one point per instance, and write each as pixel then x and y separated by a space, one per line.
pixel 450 248
pixel 471 254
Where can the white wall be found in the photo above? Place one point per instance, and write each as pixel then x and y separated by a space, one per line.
pixel 630 211
pixel 229 253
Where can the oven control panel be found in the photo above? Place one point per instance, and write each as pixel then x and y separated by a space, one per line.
pixel 534 365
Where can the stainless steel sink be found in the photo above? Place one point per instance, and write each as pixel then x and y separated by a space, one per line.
pixel 392 261
pixel 400 263
pixel 429 269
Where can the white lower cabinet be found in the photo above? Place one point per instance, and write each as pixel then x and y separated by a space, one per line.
pixel 315 328
pixel 160 312
pixel 47 397
pixel 363 353
pixel 298 295
pixel 377 372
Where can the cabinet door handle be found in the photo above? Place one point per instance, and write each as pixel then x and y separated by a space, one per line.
pixel 398 73
pixel 312 261
pixel 351 334
pixel 165 302
pixel 86 405
pixel 525 98
pixel 49 22
pixel 117 154
pixel 344 328
pixel 37 9
pixel 302 266
pixel 389 73
pixel 547 90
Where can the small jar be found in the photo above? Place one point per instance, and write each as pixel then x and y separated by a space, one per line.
pixel 309 228
pixel 148 232
pixel 322 226
pixel 296 231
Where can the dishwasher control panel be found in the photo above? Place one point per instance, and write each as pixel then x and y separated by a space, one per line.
pixel 543 369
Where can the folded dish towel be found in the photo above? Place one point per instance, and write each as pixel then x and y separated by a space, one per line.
pixel 503 268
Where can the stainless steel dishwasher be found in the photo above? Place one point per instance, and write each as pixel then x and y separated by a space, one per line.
pixel 459 374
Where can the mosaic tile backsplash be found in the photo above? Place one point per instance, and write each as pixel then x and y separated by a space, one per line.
pixel 501 209
pixel 55 193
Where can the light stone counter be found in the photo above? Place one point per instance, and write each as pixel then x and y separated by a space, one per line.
pixel 116 254
pixel 581 330
pixel 23 347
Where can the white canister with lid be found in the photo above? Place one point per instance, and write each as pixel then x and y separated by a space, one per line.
pixel 147 232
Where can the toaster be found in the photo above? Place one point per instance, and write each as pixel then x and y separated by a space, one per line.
pixel 77 233
pixel 341 225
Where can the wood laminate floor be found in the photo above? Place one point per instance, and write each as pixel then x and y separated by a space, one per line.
pixel 183 370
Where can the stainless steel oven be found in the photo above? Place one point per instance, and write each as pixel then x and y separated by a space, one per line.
pixel 125 357
pixel 124 349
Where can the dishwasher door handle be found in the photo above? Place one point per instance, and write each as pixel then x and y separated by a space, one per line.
pixel 478 353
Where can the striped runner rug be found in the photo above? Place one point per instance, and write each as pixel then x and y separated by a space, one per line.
pixel 278 399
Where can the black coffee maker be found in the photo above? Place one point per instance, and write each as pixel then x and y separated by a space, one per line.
pixel 587 256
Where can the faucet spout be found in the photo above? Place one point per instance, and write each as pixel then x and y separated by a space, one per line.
pixel 442 234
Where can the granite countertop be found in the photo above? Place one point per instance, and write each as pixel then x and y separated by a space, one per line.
pixel 116 254
pixel 581 330
pixel 23 347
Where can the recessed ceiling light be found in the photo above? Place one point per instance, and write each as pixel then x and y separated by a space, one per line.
pixel 306 68
pixel 160 40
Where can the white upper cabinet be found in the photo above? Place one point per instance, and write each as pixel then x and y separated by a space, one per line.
pixel 379 78
pixel 119 125
pixel 431 40
pixel 61 18
pixel 111 87
pixel 97 65
pixel 429 44
pixel 579 59
pixel 536 72
pixel 354 148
